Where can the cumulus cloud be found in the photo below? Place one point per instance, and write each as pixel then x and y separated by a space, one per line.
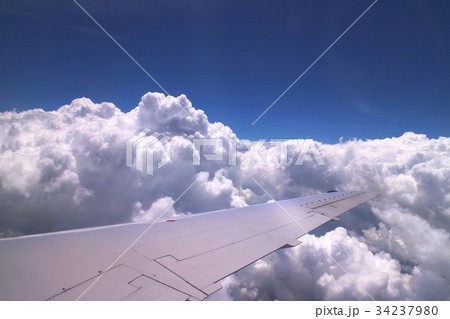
pixel 286 274
pixel 67 169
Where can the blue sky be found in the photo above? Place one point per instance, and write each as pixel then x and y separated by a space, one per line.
pixel 389 74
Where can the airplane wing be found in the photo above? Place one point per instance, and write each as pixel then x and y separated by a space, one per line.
pixel 179 259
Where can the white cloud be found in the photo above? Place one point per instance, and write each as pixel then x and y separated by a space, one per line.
pixel 66 169
pixel 307 272
pixel 163 205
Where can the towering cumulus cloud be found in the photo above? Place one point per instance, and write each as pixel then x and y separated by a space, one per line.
pixel 67 169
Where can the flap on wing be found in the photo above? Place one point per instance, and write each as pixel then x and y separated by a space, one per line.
pixel 207 268
pixel 150 289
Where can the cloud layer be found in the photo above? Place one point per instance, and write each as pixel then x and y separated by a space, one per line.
pixel 66 169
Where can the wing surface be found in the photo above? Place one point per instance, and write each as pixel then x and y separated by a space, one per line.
pixel 181 259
